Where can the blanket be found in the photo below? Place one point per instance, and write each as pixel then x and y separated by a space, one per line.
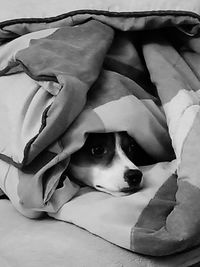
pixel 61 83
pixel 48 242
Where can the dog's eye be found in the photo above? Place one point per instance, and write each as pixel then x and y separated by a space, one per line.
pixel 98 151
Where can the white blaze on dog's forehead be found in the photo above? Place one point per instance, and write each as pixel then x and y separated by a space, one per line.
pixel 121 155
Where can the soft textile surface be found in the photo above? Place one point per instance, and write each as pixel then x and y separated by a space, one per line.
pixel 60 82
pixel 51 9
pixel 46 242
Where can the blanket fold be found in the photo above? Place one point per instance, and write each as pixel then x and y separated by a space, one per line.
pixel 72 57
pixel 73 80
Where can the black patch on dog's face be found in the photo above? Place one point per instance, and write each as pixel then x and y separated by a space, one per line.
pixel 134 151
pixel 99 148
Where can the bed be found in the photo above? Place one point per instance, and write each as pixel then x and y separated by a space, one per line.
pixel 68 69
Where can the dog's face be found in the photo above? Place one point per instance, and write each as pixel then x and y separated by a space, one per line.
pixel 109 162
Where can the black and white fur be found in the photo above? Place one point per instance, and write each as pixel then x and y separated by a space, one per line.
pixel 110 163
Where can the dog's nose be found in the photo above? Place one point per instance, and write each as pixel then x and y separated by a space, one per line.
pixel 133 177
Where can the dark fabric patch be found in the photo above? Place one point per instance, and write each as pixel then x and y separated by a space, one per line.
pixel 154 215
pixel 39 162
pixel 3 197
pixel 171 229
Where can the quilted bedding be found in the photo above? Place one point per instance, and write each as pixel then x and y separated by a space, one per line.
pixel 90 71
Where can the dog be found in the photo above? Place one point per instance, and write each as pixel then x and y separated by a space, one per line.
pixel 109 162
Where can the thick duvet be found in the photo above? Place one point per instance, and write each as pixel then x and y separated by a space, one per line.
pixel 65 76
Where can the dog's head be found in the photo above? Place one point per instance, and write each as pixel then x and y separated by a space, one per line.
pixel 109 162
